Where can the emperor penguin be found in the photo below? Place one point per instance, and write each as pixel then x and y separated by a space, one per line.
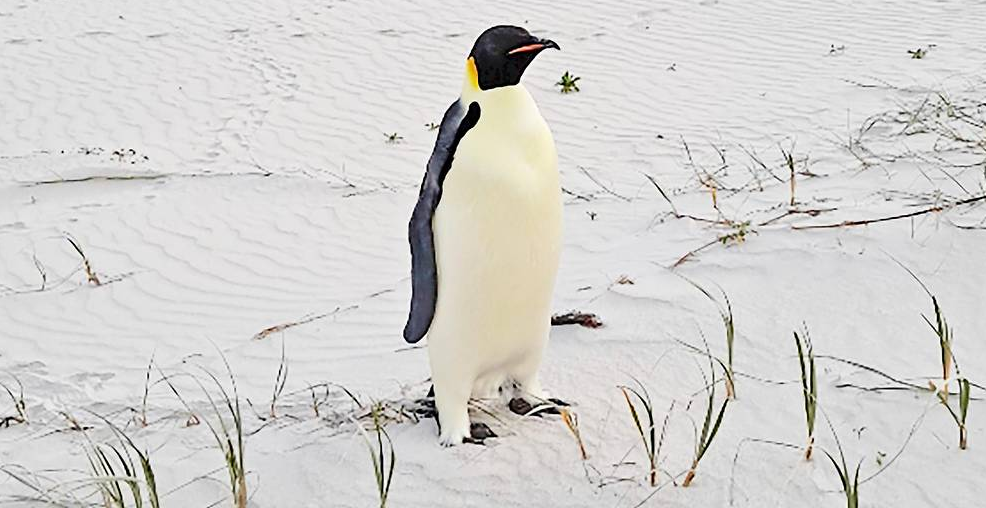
pixel 485 237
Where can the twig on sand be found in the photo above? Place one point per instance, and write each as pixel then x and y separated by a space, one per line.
pixel 937 208
pixel 663 194
pixel 96 178
pixel 576 318
pixel 263 334
pixel 601 186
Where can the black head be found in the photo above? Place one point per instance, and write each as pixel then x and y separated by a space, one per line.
pixel 502 53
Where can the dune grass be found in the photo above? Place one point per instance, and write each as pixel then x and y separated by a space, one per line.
pixel 118 478
pixel 648 433
pixel 228 437
pixel 382 453
pixel 280 381
pixel 849 480
pixel 710 426
pixel 809 387
pixel 729 327
pixel 963 411
pixel 948 364
pixel 20 406
pixel 944 333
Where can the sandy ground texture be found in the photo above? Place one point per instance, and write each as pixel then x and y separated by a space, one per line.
pixel 238 177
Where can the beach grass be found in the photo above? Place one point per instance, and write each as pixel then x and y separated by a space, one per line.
pixel 809 386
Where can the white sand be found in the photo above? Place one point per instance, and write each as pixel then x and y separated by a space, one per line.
pixel 272 195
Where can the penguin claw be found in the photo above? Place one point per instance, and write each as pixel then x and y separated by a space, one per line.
pixel 425 407
pixel 479 433
pixel 524 408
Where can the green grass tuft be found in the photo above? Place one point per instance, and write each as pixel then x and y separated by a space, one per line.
pixel 809 387
pixel 568 83
pixel 379 446
pixel 710 426
pixel 648 433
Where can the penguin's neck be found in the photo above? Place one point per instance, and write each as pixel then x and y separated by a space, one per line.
pixel 505 102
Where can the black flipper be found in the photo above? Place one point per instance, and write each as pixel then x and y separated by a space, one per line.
pixel 424 275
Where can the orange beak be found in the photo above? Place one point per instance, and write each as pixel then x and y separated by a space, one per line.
pixel 537 46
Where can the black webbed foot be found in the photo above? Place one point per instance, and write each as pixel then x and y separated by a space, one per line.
pixel 524 408
pixel 479 433
pixel 425 407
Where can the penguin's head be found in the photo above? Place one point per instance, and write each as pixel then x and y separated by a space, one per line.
pixel 502 53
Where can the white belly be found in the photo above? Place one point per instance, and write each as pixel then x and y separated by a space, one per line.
pixel 497 241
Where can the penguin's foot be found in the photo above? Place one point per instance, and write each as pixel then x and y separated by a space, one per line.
pixel 479 433
pixel 425 407
pixel 524 408
pixel 456 434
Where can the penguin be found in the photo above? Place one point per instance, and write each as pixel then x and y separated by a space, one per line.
pixel 485 238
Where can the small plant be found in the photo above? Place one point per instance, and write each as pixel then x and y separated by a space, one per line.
pixel 432 126
pixel 648 433
pixel 806 357
pixel 279 382
pixel 568 83
pixel 115 473
pixel 228 437
pixel 738 235
pixel 789 162
pixel 729 325
pixel 850 484
pixel 960 417
pixel 142 418
pixel 394 138
pixel 709 428
pixel 383 467
pixel 20 407
pixel 944 333
pixel 918 53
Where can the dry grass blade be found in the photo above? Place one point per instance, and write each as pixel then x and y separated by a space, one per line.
pixel 90 273
pixel 863 222
pixel 280 381
pixel 270 330
pixel 571 421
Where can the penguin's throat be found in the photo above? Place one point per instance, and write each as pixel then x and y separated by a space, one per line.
pixel 471 80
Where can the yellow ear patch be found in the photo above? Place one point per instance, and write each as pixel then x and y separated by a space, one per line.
pixel 472 75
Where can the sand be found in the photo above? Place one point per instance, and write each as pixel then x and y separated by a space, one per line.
pixel 227 168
